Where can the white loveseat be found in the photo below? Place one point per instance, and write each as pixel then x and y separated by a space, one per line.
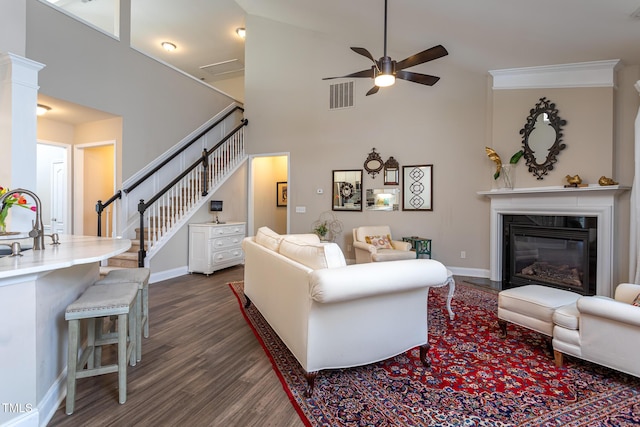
pixel 332 315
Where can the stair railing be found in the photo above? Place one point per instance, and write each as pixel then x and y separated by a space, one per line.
pixel 168 208
pixel 170 170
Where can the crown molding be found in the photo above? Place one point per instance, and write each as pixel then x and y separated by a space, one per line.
pixel 581 74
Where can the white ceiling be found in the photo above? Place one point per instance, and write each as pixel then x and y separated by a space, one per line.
pixel 480 35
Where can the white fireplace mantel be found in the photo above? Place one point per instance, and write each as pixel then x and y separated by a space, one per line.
pixel 594 200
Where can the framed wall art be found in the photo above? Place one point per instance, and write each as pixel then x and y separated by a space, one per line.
pixel 417 184
pixel 281 193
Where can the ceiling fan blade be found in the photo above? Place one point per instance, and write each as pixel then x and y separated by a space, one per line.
pixel 423 79
pixel 425 56
pixel 364 52
pixel 364 73
pixel 373 90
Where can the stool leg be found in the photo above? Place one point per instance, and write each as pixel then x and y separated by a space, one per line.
pixel 122 357
pixel 145 309
pixel 132 352
pixel 139 326
pixel 72 361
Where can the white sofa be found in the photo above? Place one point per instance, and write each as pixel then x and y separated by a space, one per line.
pixel 602 330
pixel 332 315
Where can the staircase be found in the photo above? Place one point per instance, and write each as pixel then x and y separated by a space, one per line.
pixel 155 206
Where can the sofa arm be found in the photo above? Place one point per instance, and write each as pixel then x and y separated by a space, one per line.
pixel 401 245
pixel 356 281
pixel 610 309
pixel 365 246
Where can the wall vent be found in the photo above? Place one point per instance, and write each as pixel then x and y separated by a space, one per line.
pixel 341 95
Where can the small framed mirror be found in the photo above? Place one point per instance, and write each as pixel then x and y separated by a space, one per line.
pixel 542 137
pixel 374 164
pixel 417 194
pixel 347 190
pixel 391 172
pixel 382 199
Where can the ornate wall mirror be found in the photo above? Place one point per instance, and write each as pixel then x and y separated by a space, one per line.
pixel 347 190
pixel 383 199
pixel 374 164
pixel 391 172
pixel 542 137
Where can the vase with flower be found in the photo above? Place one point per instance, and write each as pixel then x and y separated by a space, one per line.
pixel 15 199
pixel 506 172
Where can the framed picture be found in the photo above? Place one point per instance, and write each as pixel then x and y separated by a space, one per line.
pixel 417 183
pixel 281 193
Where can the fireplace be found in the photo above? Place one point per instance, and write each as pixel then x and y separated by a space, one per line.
pixel 551 250
pixel 597 202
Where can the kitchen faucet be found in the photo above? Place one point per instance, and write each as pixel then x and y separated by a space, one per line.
pixel 38 229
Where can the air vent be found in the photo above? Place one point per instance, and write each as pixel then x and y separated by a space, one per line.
pixel 341 95
pixel 223 67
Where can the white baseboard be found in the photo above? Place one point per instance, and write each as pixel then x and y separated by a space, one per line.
pixel 52 400
pixel 168 274
pixel 470 272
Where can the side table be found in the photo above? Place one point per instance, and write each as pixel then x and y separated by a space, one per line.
pixel 421 245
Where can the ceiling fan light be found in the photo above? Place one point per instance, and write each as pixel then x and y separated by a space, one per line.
pixel 384 80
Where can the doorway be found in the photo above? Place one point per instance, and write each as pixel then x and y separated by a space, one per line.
pixel 268 174
pixel 94 179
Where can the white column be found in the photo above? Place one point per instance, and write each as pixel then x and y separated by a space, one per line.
pixel 18 99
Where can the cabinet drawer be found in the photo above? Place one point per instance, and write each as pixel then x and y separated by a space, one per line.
pixel 228 229
pixel 226 242
pixel 220 257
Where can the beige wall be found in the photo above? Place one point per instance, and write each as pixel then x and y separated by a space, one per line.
pixel 588 134
pixel 98 185
pixel 443 125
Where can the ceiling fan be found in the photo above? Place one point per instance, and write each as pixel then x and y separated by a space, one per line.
pixel 385 71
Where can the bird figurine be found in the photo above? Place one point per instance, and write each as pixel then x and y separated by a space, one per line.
pixel 607 181
pixel 573 181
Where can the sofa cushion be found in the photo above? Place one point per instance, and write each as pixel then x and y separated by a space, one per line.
pixel 567 316
pixel 268 238
pixel 380 242
pixel 315 256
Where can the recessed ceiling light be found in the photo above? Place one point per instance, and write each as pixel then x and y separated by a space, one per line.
pixel 42 109
pixel 241 32
pixel 169 47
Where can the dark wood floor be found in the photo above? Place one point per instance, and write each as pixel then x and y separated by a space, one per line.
pixel 201 366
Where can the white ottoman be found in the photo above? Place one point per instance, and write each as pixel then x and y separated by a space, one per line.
pixel 532 307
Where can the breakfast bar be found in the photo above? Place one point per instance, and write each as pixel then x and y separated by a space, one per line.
pixel 35 289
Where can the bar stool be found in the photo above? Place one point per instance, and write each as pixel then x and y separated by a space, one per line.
pixel 95 303
pixel 141 277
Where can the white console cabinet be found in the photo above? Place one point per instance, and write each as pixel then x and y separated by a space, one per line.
pixel 215 246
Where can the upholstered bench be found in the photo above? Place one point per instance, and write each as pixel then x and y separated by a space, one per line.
pixel 532 307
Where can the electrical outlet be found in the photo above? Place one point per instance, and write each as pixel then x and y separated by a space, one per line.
pixel 463 254
pixel 301 209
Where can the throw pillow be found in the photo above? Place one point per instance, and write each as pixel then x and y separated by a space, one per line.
pixel 380 242
pixel 636 301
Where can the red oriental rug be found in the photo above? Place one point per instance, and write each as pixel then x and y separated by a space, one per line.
pixel 476 378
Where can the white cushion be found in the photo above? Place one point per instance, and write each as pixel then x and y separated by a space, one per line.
pixel 567 316
pixel 535 301
pixel 268 238
pixel 316 256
